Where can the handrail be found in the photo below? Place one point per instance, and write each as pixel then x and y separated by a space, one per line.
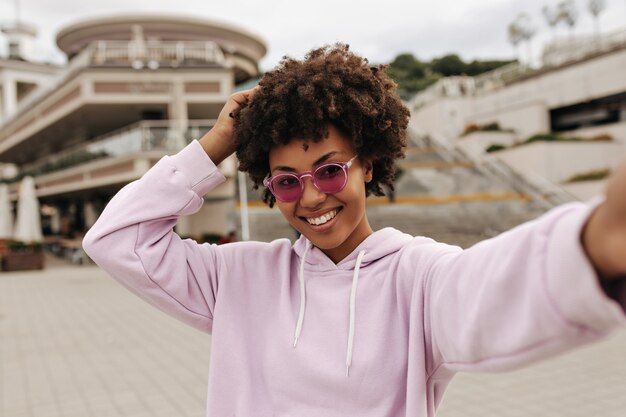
pixel 571 49
pixel 453 86
pixel 502 76
pixel 542 191
pixel 145 135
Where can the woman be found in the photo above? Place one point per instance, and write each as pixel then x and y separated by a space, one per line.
pixel 348 321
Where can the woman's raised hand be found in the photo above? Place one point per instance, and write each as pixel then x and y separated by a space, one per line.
pixel 218 142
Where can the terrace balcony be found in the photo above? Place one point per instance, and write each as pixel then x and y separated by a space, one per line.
pixel 112 160
pixel 134 55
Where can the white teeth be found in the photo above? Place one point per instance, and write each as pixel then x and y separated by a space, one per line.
pixel 322 219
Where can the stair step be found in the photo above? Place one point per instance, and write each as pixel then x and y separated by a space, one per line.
pixel 433 165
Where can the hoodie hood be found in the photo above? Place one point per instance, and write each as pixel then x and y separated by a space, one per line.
pixel 379 244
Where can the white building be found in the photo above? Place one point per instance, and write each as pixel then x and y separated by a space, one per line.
pixel 580 95
pixel 135 88
pixel 19 74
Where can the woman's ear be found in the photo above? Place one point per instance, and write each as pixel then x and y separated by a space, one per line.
pixel 369 171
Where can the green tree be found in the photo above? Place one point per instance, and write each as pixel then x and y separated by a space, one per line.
pixel 523 28
pixel 413 75
pixel 449 65
pixel 568 13
pixel 515 36
pixel 479 67
pixel 408 66
pixel 409 72
pixel 596 7
pixel 552 18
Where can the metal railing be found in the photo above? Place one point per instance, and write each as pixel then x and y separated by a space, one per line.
pixel 453 86
pixel 151 54
pixel 502 76
pixel 575 48
pixel 143 136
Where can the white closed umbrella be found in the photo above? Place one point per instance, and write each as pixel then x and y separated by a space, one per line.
pixel 6 214
pixel 28 223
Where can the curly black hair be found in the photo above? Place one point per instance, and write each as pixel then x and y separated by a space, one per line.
pixel 331 85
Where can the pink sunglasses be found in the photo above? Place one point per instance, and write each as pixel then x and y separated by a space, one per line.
pixel 328 178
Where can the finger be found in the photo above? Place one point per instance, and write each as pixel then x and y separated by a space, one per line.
pixel 245 95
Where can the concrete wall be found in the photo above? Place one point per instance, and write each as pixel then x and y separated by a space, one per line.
pixel 557 162
pixel 475 143
pixel 564 86
pixel 525 119
pixel 217 214
pixel 586 190
pixel 524 105
pixel 214 217
pixel 9 78
pixel 444 116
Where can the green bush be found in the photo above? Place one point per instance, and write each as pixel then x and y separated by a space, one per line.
pixel 543 137
pixel 551 137
pixel 488 127
pixel 495 147
pixel 413 75
pixel 19 246
pixel 595 175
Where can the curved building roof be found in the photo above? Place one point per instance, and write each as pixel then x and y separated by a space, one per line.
pixel 235 41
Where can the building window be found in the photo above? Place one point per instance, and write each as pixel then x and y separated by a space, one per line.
pixel 600 111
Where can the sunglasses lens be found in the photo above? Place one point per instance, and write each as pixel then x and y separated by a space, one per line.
pixel 286 187
pixel 330 178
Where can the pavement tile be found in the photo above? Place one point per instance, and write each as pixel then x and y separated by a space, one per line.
pixel 76 344
pixel 17 412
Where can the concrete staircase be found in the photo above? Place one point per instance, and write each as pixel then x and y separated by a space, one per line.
pixel 441 194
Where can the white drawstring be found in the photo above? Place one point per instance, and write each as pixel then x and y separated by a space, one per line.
pixel 355 281
pixel 302 296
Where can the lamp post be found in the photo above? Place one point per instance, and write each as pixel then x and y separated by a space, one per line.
pixel 243 206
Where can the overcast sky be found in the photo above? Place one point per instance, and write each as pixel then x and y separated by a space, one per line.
pixel 378 29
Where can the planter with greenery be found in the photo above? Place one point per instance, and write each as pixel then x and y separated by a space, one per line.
pixel 495 147
pixel 596 175
pixel 489 127
pixel 20 256
pixel 541 137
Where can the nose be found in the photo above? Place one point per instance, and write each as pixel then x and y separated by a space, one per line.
pixel 311 197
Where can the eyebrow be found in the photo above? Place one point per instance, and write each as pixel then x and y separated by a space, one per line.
pixel 319 161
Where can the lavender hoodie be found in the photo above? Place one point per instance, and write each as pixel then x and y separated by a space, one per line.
pixel 381 333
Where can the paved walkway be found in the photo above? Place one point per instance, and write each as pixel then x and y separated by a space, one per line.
pixel 73 343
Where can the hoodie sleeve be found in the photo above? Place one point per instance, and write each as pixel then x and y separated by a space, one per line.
pixel 526 294
pixel 133 240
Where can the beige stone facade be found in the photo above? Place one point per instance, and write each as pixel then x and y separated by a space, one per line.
pixel 135 88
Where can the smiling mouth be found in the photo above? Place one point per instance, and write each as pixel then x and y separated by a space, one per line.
pixel 323 219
